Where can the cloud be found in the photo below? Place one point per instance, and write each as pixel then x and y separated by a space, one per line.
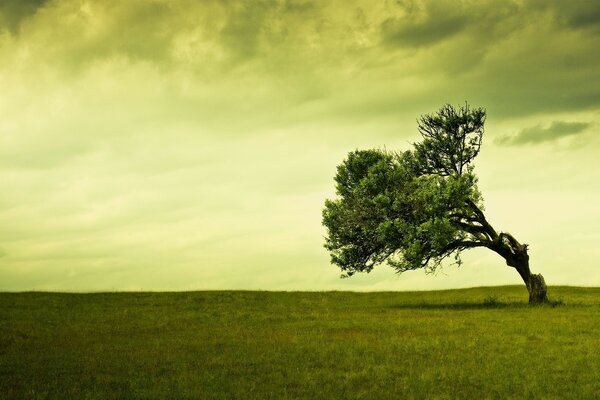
pixel 197 140
pixel 586 16
pixel 580 14
pixel 539 134
pixel 14 12
pixel 407 31
pixel 426 23
pixel 410 53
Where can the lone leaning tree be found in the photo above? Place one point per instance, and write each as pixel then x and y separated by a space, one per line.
pixel 414 209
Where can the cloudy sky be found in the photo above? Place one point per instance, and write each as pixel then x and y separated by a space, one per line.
pixel 177 145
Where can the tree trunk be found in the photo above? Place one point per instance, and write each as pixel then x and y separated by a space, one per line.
pixel 514 253
pixel 536 286
pixel 537 289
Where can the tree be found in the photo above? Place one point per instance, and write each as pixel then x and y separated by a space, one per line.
pixel 416 208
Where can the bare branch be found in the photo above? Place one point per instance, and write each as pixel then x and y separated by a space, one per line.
pixel 481 219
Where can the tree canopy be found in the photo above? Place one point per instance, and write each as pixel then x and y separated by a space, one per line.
pixel 415 208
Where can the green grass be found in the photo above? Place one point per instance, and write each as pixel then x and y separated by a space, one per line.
pixel 471 343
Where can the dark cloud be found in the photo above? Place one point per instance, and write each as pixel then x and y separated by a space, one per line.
pixel 265 28
pixel 406 31
pixel 539 134
pixel 244 28
pixel 537 57
pixel 586 17
pixel 424 23
pixel 576 14
pixel 14 12
pixel 143 32
pixel 515 58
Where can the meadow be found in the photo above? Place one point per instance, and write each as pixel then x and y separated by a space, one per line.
pixel 469 343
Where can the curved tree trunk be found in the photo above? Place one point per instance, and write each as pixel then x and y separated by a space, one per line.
pixel 537 289
pixel 506 246
pixel 536 286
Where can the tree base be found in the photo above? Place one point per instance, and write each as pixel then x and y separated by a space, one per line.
pixel 537 289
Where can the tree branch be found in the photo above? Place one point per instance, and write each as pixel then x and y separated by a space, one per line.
pixel 470 228
pixel 514 243
pixel 481 219
pixel 463 245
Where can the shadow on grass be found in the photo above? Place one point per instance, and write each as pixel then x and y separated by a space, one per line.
pixel 458 306
pixel 487 304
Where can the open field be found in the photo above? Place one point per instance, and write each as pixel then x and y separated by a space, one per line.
pixel 471 343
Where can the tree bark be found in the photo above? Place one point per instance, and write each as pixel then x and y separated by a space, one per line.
pixel 536 286
pixel 537 289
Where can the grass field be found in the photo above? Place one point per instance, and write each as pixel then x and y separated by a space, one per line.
pixel 471 343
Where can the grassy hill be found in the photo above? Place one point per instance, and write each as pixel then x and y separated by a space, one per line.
pixel 468 343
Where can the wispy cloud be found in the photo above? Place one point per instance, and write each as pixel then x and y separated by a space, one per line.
pixel 539 134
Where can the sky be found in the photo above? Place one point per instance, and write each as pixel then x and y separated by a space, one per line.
pixel 185 145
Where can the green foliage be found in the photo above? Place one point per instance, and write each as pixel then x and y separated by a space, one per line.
pixel 406 208
pixel 451 140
